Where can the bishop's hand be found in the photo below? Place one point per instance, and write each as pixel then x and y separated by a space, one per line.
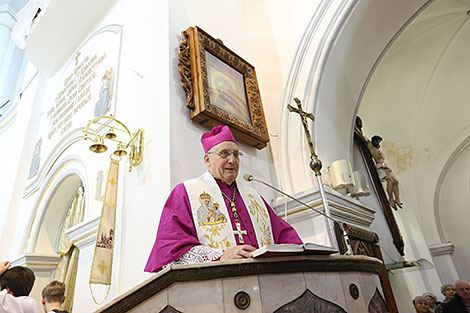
pixel 238 252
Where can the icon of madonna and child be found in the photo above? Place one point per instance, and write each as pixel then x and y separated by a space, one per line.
pixel 208 213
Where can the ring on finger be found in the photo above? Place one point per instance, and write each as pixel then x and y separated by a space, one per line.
pixel 236 252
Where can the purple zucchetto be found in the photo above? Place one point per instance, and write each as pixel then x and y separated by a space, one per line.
pixel 217 135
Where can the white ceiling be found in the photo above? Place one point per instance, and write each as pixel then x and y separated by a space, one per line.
pixel 417 101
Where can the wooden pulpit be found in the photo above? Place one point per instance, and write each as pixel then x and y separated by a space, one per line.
pixel 300 283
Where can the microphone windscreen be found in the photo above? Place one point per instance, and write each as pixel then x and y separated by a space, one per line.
pixel 248 177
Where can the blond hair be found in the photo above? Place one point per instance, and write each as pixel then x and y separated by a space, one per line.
pixel 54 291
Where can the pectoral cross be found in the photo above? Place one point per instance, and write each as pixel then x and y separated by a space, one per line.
pixel 239 232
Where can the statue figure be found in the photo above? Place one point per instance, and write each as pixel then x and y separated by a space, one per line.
pixel 385 172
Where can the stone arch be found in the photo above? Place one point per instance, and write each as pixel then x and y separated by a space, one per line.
pixel 50 206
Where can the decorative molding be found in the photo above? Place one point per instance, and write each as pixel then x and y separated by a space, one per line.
pixel 239 268
pixel 342 207
pixel 377 303
pixel 453 157
pixel 8 116
pixel 71 165
pixel 39 263
pixel 68 140
pixel 169 309
pixel 60 45
pixel 10 10
pixel 442 249
pixel 84 234
pixel 310 57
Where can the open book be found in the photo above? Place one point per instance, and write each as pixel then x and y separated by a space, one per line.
pixel 292 249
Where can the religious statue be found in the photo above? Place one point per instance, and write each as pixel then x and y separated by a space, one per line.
pixel 385 172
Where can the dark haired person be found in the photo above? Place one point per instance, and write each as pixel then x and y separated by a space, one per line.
pixel 16 284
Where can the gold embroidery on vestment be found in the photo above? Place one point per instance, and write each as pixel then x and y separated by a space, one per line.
pixel 262 217
pixel 208 213
pixel 214 231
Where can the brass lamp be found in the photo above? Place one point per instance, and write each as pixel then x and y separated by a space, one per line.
pixel 110 134
pixel 100 128
pixel 98 146
pixel 120 150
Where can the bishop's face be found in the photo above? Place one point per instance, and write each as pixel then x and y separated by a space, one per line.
pixel 225 169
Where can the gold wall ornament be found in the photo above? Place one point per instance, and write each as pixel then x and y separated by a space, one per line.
pixel 106 127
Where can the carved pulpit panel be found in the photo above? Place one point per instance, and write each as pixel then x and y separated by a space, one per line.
pixel 377 303
pixel 310 303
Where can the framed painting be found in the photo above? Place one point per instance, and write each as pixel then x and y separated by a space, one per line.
pixel 221 88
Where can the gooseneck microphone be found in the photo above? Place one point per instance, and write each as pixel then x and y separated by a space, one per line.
pixel 250 178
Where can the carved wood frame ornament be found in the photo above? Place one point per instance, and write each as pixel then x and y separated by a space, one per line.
pixel 192 66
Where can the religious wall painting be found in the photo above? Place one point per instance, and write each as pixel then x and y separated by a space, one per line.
pixel 85 86
pixel 36 160
pixel 103 105
pixel 221 88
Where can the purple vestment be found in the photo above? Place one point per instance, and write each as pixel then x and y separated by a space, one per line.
pixel 176 233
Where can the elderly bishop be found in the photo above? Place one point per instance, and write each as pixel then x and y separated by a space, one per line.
pixel 215 217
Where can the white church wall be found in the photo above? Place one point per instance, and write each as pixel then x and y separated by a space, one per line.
pixel 422 136
pixel 149 96
pixel 453 207
pixel 142 102
pixel 16 163
pixel 229 24
pixel 337 64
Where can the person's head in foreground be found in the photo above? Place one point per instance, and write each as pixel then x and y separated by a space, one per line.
pixel 53 296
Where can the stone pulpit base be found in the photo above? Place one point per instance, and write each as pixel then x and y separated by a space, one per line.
pixel 306 283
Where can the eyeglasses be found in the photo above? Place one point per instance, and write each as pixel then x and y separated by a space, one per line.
pixel 225 154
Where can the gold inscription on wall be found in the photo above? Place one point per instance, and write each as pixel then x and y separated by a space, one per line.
pixel 74 95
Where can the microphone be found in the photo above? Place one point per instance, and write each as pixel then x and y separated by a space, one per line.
pixel 250 178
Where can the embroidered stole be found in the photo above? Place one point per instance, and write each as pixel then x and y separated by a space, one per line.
pixel 211 216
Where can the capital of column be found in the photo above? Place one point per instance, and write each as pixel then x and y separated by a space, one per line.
pixel 442 249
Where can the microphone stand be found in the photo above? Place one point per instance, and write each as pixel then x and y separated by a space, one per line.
pixel 316 165
pixel 249 178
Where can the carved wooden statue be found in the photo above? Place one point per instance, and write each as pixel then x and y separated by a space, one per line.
pixel 385 172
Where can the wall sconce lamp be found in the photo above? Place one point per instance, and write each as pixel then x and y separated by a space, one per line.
pixel 104 130
pixel 361 188
pixel 341 174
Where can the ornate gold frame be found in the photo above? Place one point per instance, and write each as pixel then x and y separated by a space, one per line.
pixel 193 70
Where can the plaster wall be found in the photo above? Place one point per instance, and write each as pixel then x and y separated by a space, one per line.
pixel 142 102
pixel 238 25
pixel 150 97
